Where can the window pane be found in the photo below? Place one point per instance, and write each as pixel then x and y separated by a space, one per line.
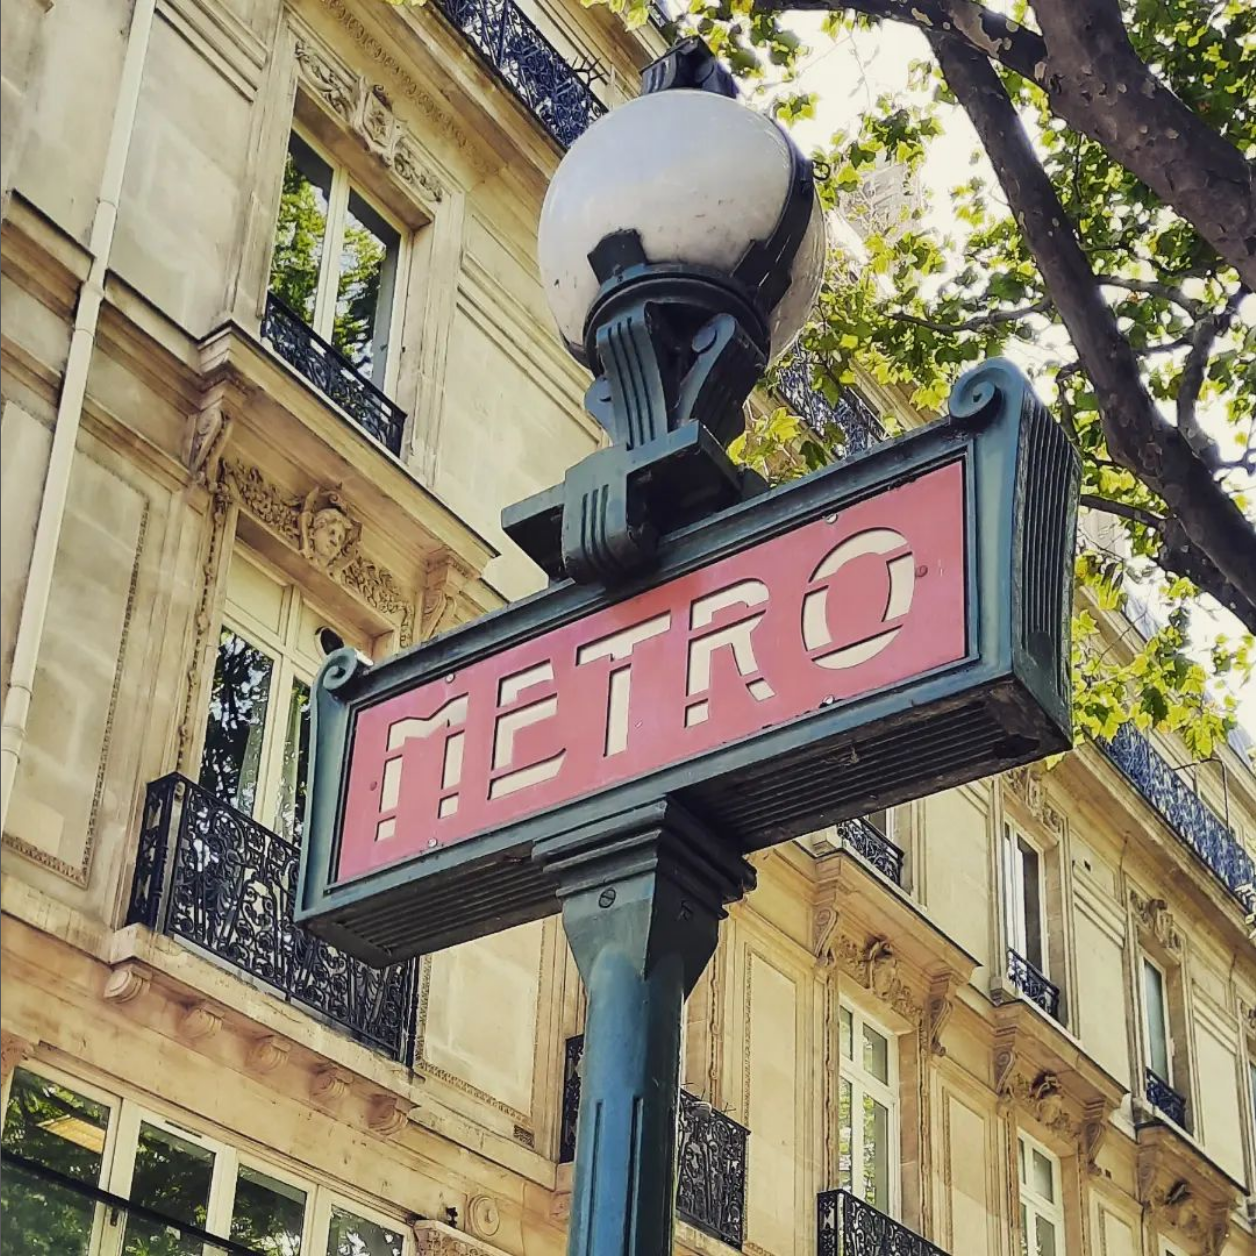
pixel 1032 891
pixel 846 1031
pixel 876 1054
pixel 65 1132
pixel 234 731
pixel 296 756
pixel 1044 1237
pixel 1024 1230
pixel 302 229
pixel 1044 1178
pixel 1157 1029
pixel 876 1153
pixel 364 294
pixel 1020 1147
pixel 845 1136
pixel 1013 893
pixel 172 1176
pixel 879 820
pixel 269 1215
pixel 355 1236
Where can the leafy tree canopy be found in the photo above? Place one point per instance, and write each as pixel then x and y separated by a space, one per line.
pixel 1107 241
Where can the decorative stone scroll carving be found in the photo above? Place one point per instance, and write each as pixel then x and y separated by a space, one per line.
pixel 366 109
pixel 388 1115
pixel 875 966
pixel 433 1238
pixel 443 581
pixel 125 983
pixel 1153 916
pixel 1026 785
pixel 267 1054
pixel 320 526
pixel 939 1005
pixel 201 1020
pixel 329 1083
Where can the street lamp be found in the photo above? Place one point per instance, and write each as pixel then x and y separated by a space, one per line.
pixel 681 248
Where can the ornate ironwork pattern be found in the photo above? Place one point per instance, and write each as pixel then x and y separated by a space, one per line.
pixel 333 374
pixel 851 415
pixel 1033 985
pixel 218 880
pixel 873 848
pixel 571 1099
pixel 558 94
pixel 710 1156
pixel 1165 1099
pixel 711 1170
pixel 847 1225
pixel 1199 828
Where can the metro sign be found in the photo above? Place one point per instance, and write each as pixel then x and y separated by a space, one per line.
pixel 884 628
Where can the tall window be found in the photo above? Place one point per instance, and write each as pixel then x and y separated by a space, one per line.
pixel 1025 903
pixel 882 821
pixel 256 754
pixel 60 1139
pixel 868 1111
pixel 1041 1204
pixel 1159 1043
pixel 336 261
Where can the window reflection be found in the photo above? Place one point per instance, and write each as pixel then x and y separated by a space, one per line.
pixel 301 230
pixel 234 733
pixel 172 1176
pixel 269 1215
pixel 356 1236
pixel 295 768
pixel 364 293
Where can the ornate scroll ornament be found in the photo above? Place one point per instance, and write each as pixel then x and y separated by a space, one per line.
pixel 1177 1207
pixel 1247 1014
pixel 433 1238
pixel 329 1083
pixel 875 966
pixel 938 1008
pixel 1153 916
pixel 1026 785
pixel 201 1020
pixel 483 1216
pixel 822 925
pixel 387 1115
pixel 126 983
pixel 267 1054
pixel 444 580
pixel 367 110
pixel 321 528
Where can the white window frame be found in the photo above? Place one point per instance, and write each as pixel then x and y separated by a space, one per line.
pixel 1166 1009
pixel 1035 1205
pixel 1014 920
pixel 342 182
pixel 292 662
pixel 888 831
pixel 117 1173
pixel 885 1093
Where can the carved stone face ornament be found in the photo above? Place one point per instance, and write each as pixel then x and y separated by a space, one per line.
pixel 328 535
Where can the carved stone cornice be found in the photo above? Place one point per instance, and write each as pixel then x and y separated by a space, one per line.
pixel 433 1238
pixel 367 111
pixel 1025 784
pixel 1039 1074
pixel 320 527
pixel 1152 915
pixel 874 965
pixel 444 579
pixel 1189 1198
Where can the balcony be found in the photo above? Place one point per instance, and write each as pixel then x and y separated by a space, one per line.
pixel 851 416
pixel 558 94
pixel 1033 985
pixel 224 885
pixel 846 1226
pixel 1194 822
pixel 333 375
pixel 873 847
pixel 1165 1099
pixel 710 1157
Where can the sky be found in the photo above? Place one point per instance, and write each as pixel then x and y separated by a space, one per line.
pixel 848 75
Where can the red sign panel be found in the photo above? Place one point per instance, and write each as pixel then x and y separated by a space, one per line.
pixel 838 608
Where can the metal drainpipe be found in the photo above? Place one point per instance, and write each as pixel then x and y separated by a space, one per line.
pixel 30 630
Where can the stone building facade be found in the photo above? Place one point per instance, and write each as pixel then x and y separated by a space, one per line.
pixel 274 357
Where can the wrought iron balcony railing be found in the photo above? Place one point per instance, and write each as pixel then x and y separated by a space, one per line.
pixel 710 1156
pixel 558 94
pixel 847 1226
pixel 1165 1099
pixel 873 847
pixel 852 415
pixel 1033 985
pixel 1195 823
pixel 333 374
pixel 223 884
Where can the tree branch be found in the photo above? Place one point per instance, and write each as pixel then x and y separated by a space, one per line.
pixel 1192 380
pixel 1098 84
pixel 1135 514
pixel 1213 532
pixel 1151 288
pixel 996 318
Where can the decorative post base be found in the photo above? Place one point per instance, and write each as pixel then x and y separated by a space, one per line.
pixel 642 895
